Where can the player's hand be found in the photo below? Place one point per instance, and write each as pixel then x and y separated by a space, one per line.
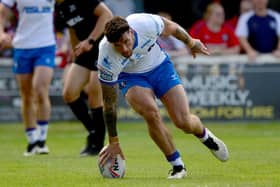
pixel 5 40
pixel 110 151
pixel 199 48
pixel 82 47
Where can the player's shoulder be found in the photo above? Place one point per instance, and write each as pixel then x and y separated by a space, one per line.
pixel 145 22
pixel 104 45
pixel 144 18
pixel 141 15
pixel 106 50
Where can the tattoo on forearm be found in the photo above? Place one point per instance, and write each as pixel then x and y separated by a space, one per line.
pixel 182 35
pixel 110 97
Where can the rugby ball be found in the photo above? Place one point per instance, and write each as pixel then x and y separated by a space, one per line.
pixel 113 168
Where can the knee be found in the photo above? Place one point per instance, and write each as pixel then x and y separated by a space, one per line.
pixel 185 123
pixel 41 95
pixel 150 114
pixel 68 96
pixel 27 99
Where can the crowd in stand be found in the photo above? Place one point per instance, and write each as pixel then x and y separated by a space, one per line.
pixel 254 30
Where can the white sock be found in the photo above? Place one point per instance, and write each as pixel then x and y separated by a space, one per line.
pixel 175 159
pixel 31 134
pixel 43 130
pixel 177 162
pixel 205 135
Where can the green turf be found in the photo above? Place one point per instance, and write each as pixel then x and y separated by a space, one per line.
pixel 254 158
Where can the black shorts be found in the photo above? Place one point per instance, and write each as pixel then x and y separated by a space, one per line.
pixel 88 59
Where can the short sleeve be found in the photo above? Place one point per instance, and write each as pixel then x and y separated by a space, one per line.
pixel 242 27
pixel 159 24
pixel 278 23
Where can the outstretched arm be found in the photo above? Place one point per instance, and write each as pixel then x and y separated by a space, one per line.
pixel 195 45
pixel 110 97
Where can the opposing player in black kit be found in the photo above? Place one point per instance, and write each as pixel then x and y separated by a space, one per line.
pixel 86 21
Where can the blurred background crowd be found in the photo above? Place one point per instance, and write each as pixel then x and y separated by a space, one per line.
pixel 249 27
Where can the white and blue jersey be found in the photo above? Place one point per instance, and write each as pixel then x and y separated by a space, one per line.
pixel 147 63
pixel 262 32
pixel 34 40
pixel 35 23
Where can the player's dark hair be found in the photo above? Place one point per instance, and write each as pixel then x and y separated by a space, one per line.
pixel 115 28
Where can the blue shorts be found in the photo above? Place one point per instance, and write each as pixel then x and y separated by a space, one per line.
pixel 26 59
pixel 160 79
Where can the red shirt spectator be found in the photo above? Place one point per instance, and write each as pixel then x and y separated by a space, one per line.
pixel 219 38
pixel 224 37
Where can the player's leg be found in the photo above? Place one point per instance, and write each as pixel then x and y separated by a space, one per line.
pixel 23 68
pixel 142 100
pixel 177 105
pixel 28 112
pixel 95 141
pixel 75 80
pixel 41 82
pixel 169 89
pixel 44 62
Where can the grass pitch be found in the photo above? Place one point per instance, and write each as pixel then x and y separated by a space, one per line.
pixel 254 158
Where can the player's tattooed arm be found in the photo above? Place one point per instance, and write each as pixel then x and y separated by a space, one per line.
pixel 195 45
pixel 110 97
pixel 172 28
pixel 184 36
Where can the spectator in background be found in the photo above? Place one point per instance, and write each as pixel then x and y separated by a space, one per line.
pixel 259 30
pixel 64 54
pixel 33 56
pixel 170 44
pixel 244 6
pixel 219 38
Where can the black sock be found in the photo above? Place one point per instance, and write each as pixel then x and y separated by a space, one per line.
pixel 84 95
pixel 99 124
pixel 80 109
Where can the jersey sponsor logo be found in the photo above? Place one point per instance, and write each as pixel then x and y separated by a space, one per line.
pixel 37 10
pixel 105 75
pixel 74 21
